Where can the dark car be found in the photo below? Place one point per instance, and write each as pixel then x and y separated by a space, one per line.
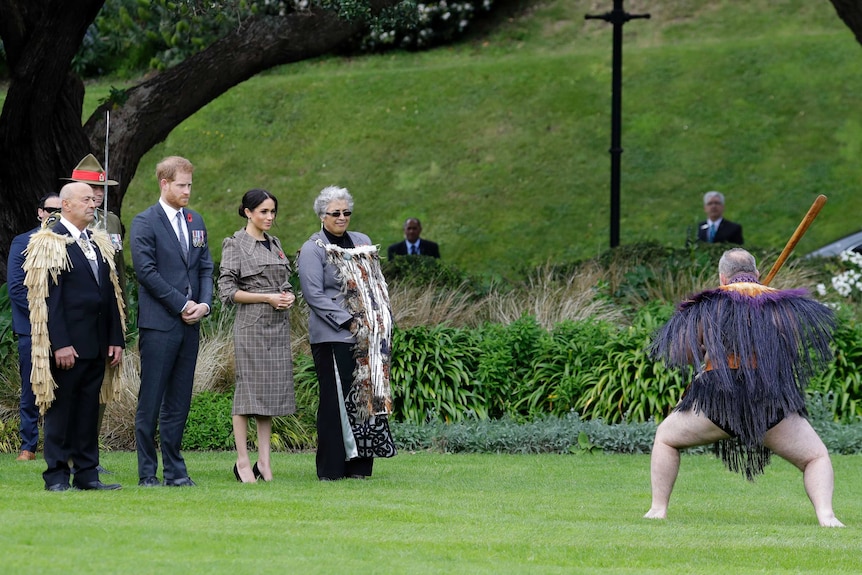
pixel 852 242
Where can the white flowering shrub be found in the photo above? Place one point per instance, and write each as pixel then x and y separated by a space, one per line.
pixel 429 24
pixel 133 35
pixel 847 281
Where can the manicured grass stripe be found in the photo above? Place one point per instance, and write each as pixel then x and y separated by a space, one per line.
pixel 431 513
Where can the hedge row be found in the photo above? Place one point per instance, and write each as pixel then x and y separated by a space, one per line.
pixel 596 369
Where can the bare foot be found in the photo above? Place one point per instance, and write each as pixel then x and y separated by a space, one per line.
pixel 830 521
pixel 656 514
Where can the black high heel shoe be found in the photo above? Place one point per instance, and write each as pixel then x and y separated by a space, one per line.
pixel 236 474
pixel 258 474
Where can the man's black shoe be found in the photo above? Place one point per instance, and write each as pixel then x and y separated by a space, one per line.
pixel 102 471
pixel 149 482
pixel 182 482
pixel 57 487
pixel 98 486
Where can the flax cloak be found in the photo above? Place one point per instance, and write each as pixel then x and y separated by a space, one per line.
pixel 46 257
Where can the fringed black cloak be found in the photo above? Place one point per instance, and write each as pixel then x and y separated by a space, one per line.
pixel 756 349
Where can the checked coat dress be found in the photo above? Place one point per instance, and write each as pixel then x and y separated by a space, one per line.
pixel 264 366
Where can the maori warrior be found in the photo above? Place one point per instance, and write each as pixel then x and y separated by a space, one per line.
pixel 755 349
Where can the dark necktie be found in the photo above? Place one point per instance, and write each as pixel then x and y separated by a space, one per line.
pixel 182 236
pixel 89 253
pixel 711 232
pixel 413 250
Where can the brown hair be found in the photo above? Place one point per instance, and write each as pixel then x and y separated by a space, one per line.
pixel 167 169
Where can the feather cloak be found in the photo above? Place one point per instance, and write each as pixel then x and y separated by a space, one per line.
pixel 366 297
pixel 755 349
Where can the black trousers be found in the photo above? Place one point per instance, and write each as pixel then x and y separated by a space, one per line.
pixel 330 358
pixel 71 423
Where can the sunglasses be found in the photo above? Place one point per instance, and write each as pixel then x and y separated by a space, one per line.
pixel 337 213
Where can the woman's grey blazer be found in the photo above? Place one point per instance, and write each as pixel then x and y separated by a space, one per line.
pixel 322 291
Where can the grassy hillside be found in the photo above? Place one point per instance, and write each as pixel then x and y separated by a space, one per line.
pixel 499 144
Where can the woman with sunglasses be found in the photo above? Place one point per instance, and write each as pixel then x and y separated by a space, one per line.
pixel 352 427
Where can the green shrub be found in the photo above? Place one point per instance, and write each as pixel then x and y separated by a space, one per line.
pixel 563 368
pixel 8 345
pixel 432 375
pixel 209 426
pixel 553 434
pixel 629 386
pixel 427 271
pixel 505 363
pixel 299 431
pixel 842 381
pixel 548 434
pixel 10 377
pixel 9 435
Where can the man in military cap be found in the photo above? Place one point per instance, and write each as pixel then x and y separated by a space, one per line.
pixel 89 171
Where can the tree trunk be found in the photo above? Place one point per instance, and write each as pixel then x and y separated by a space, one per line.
pixel 41 136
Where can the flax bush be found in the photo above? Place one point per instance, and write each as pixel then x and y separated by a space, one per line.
pixel 505 363
pixel 842 381
pixel 564 368
pixel 628 384
pixel 432 375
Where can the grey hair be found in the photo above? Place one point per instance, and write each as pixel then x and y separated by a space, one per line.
pixel 736 261
pixel 328 195
pixel 709 195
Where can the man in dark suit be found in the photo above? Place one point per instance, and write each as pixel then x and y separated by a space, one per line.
pixel 27 409
pixel 71 291
pixel 413 245
pixel 89 171
pixel 175 288
pixel 715 229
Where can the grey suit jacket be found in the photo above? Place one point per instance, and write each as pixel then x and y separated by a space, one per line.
pixel 165 280
pixel 322 291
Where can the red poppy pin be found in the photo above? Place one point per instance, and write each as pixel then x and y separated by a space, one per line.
pixel 281 255
pixel 188 218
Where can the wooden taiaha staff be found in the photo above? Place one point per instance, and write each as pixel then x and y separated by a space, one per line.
pixel 797 235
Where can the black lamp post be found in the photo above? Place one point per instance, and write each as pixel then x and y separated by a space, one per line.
pixel 617 17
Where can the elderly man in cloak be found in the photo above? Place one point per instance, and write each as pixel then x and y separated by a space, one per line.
pixel 77 325
pixel 756 348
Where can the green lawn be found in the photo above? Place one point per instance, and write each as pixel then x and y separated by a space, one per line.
pixel 431 513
